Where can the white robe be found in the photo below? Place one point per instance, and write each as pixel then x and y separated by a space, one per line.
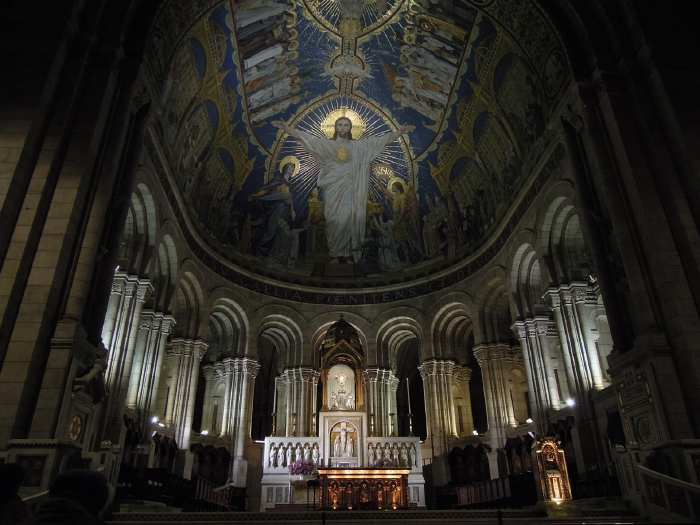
pixel 344 183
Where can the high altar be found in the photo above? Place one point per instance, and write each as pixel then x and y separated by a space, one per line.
pixel 351 443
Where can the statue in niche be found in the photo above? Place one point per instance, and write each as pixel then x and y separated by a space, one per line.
pixel 272 461
pixel 344 443
pixel 289 454
pixel 395 455
pixel 307 453
pixel 371 458
pixel 315 456
pixel 298 454
pixel 412 457
pixel 336 446
pixel 344 182
pixel 341 399
pixel 403 456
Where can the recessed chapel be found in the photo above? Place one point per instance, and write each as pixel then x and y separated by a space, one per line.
pixel 352 256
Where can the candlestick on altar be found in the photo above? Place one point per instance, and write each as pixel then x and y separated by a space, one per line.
pixel 408 394
pixel 410 412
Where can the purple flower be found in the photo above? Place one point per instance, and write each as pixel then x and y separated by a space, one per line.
pixel 302 468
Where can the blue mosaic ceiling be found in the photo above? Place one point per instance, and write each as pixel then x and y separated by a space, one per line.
pixel 459 91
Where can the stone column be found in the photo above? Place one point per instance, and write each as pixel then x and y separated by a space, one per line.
pixel 570 305
pixel 438 379
pixel 463 400
pixel 119 336
pixel 544 394
pixel 281 401
pixel 185 356
pixel 300 396
pixel 239 378
pixel 573 309
pixel 154 329
pixel 392 386
pixel 494 360
pixel 212 378
pixel 378 400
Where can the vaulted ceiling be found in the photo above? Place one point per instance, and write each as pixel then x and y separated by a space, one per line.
pixel 478 79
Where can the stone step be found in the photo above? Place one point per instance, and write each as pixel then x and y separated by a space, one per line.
pixel 398 517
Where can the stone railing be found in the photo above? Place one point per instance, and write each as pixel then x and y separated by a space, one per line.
pixel 394 452
pixel 669 498
pixel 280 452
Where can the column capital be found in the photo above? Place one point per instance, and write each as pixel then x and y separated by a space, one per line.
pixel 377 374
pixel 240 365
pixel 131 285
pixel 462 374
pixel 487 353
pixel 520 329
pixel 152 320
pixel 210 372
pixel 571 293
pixel 187 347
pixel 301 373
pixel 435 367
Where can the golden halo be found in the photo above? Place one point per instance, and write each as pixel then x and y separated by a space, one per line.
pixel 290 159
pixel 358 123
pixel 396 180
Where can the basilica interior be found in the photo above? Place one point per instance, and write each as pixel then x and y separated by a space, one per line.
pixel 358 256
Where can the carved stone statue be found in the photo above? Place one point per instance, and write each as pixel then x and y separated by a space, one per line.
pixel 315 456
pixel 298 453
pixel 395 455
pixel 272 456
pixel 385 452
pixel 403 456
pixel 307 453
pixel 336 447
pixel 371 458
pixel 289 454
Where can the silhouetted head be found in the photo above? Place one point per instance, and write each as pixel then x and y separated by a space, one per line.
pixel 343 128
pixel 11 477
pixel 88 488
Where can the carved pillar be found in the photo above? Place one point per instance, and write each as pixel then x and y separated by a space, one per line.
pixel 119 335
pixel 281 401
pixel 438 377
pixel 300 396
pixel 574 308
pixel 462 401
pixel 240 374
pixel 212 402
pixel 154 329
pixel 392 386
pixel 185 355
pixel 534 335
pixel 495 360
pixel 379 399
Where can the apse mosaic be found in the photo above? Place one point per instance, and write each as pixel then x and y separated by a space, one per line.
pixel 351 139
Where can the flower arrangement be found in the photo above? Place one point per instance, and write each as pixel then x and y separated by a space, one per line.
pixel 302 468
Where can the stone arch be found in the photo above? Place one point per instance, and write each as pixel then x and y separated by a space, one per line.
pixel 451 326
pixel 562 243
pixel 228 327
pixel 528 279
pixel 492 310
pixel 285 335
pixel 323 321
pixel 392 334
pixel 187 304
pixel 138 236
pixel 165 272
